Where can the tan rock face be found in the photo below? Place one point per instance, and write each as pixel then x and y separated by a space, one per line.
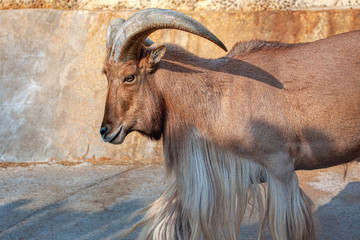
pixel 212 5
pixel 52 91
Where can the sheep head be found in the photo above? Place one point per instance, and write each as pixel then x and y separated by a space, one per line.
pixel 133 103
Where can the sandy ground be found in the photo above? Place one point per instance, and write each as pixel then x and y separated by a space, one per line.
pixel 88 201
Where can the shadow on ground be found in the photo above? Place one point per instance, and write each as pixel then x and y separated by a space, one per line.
pixel 338 219
pixel 53 222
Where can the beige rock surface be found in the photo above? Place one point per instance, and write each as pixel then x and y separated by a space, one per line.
pixel 52 89
pixel 197 5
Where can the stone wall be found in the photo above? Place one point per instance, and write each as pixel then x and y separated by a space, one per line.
pixel 197 5
pixel 52 91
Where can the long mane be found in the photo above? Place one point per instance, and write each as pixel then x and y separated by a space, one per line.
pixel 210 191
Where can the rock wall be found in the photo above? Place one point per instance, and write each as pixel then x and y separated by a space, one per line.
pixel 197 5
pixel 52 91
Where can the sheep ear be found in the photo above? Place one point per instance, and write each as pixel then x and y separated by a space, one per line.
pixel 154 56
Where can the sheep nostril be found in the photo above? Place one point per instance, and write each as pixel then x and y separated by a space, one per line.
pixel 103 130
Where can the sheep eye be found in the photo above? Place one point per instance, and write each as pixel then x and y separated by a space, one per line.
pixel 129 78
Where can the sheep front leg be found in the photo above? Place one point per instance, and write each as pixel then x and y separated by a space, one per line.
pixel 289 210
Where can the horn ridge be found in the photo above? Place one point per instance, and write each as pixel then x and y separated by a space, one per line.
pixel 132 34
pixel 111 31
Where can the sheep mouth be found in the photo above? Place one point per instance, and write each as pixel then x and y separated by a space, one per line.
pixel 118 136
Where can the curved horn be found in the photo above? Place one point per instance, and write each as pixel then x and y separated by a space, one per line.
pixel 128 40
pixel 112 29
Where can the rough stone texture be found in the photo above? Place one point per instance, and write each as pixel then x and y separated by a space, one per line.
pixel 52 91
pixel 80 202
pixel 213 5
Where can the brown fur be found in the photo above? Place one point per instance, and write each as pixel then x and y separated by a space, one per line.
pixel 244 48
pixel 266 107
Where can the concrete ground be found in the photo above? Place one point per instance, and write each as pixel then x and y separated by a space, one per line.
pixel 88 201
